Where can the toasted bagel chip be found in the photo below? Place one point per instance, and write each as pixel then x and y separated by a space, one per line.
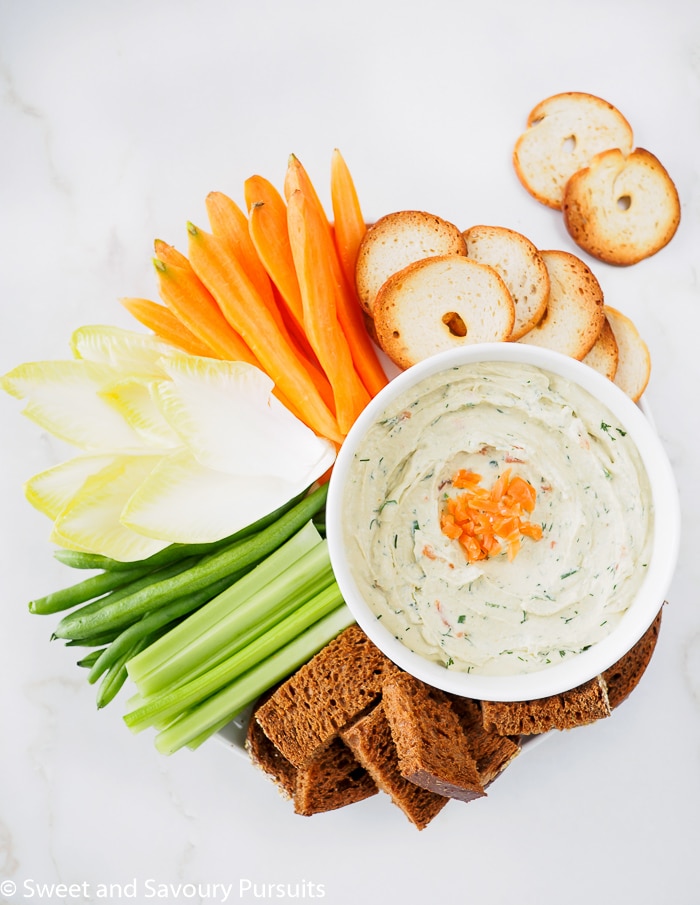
pixel 604 355
pixel 574 316
pixel 441 303
pixel 520 266
pixel 399 239
pixel 621 208
pixel 634 362
pixel 563 133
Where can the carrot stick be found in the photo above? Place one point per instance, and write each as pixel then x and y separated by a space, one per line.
pixel 230 224
pixel 189 300
pixel 267 222
pixel 350 316
pixel 163 323
pixel 349 224
pixel 247 313
pixel 312 251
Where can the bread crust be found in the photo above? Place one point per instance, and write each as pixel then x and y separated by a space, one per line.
pixel 563 133
pixel 519 264
pixel 575 309
pixel 396 240
pixel 621 208
pixel 416 309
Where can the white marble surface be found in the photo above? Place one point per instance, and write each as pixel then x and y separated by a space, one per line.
pixel 116 119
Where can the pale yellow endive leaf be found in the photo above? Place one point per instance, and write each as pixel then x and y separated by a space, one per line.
pixel 92 518
pixel 50 491
pixel 63 397
pixel 182 501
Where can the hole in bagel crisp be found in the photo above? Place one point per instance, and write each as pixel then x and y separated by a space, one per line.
pixel 569 144
pixel 454 323
pixel 624 202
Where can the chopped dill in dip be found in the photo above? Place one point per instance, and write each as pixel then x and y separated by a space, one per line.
pixel 499 614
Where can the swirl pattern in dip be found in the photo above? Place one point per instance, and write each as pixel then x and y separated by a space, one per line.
pixel 560 594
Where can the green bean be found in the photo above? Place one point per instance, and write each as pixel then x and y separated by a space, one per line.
pixel 115 677
pixel 89 659
pixel 92 640
pixel 69 597
pixel 241 554
pixel 78 559
pixel 83 614
pixel 154 620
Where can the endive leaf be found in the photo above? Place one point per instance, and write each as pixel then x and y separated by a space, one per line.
pixel 91 519
pixel 185 502
pixel 50 491
pixel 131 352
pixel 134 399
pixel 63 398
pixel 225 413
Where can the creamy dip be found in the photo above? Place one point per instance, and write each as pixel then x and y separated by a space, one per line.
pixel 560 594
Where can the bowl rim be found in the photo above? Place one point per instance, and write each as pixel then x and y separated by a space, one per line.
pixel 582 667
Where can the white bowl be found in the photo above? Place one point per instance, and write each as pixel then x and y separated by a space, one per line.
pixel 577 668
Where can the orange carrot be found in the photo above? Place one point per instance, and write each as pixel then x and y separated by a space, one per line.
pixel 230 224
pixel 482 520
pixel 349 311
pixel 267 222
pixel 163 323
pixel 349 224
pixel 190 301
pixel 312 253
pixel 247 313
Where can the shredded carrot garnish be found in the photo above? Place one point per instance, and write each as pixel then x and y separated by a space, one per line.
pixel 487 522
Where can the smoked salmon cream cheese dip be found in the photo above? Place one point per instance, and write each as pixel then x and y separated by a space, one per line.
pixel 497 518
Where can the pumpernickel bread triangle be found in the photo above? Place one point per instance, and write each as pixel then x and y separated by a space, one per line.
pixel 431 745
pixel 579 706
pixel 371 741
pixel 306 712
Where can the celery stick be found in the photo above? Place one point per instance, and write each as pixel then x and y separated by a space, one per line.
pixel 294 581
pixel 157 667
pixel 209 715
pixel 263 623
pixel 173 703
pixel 147 624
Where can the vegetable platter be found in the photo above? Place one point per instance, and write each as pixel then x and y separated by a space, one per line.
pixel 191 511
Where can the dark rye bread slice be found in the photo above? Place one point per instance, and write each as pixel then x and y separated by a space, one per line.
pixel 431 745
pixel 266 757
pixel 306 712
pixel 491 751
pixel 372 743
pixel 332 779
pixel 623 677
pixel 579 706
